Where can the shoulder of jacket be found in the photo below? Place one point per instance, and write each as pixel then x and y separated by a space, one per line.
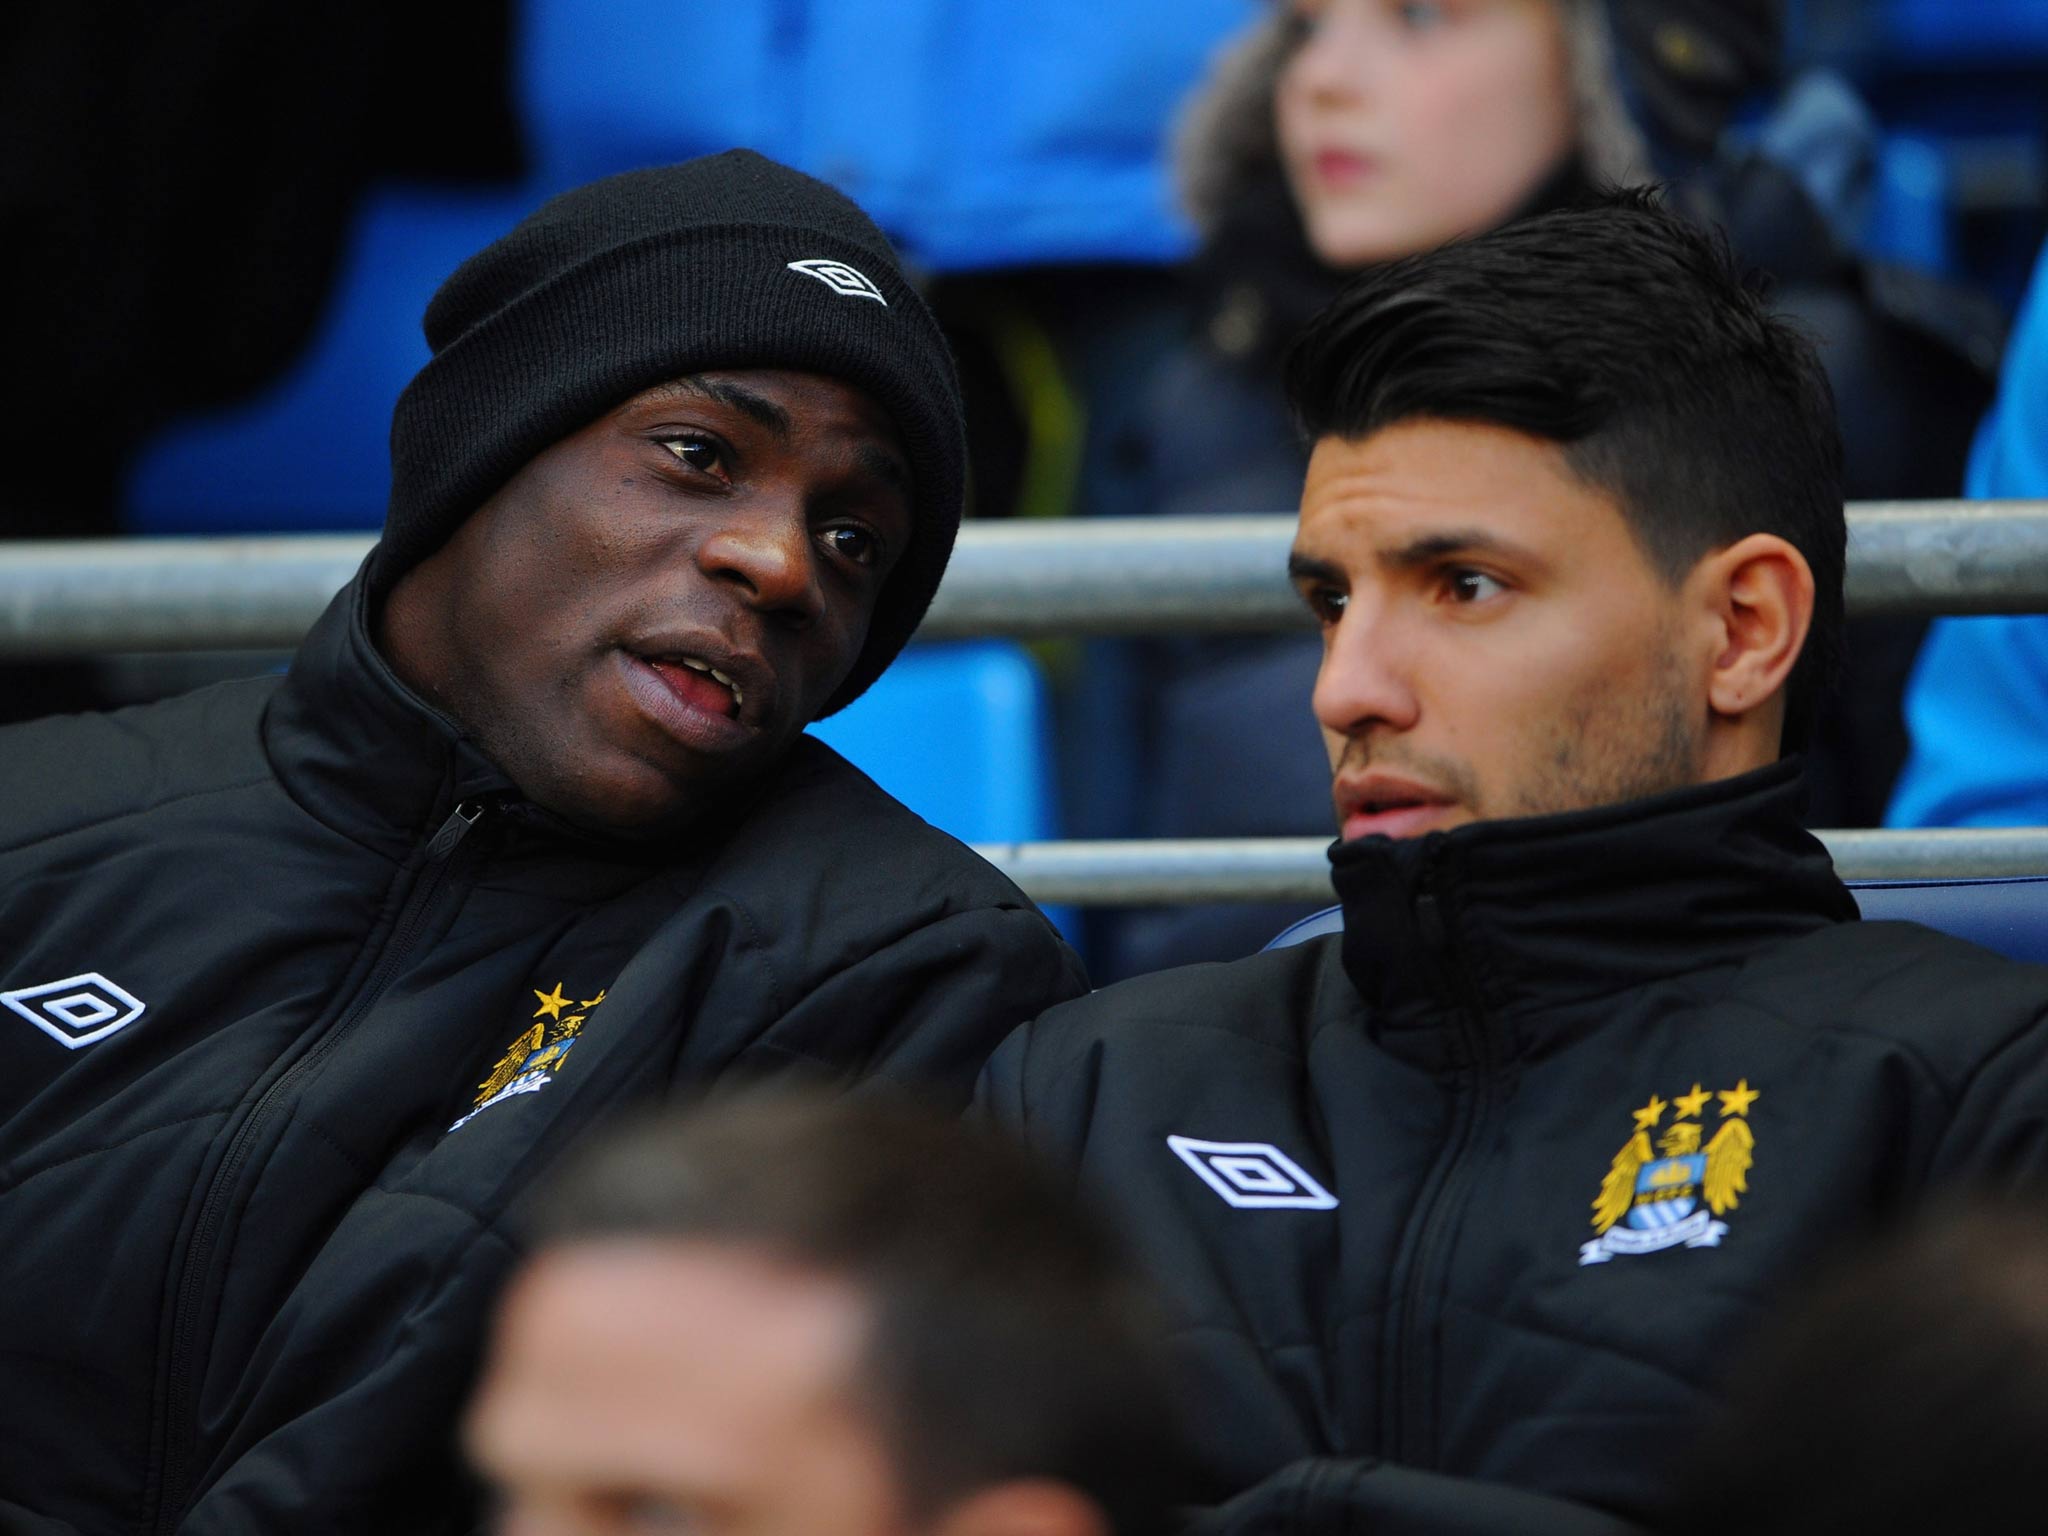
pixel 1274 1001
pixel 830 861
pixel 70 772
pixel 851 834
pixel 1948 1001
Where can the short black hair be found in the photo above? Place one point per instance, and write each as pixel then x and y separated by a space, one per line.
pixel 1904 1387
pixel 1009 1335
pixel 1630 337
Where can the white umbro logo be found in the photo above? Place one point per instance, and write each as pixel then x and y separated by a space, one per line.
pixel 77 1010
pixel 1252 1175
pixel 840 278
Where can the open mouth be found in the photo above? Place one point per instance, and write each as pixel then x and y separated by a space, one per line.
pixel 1395 803
pixel 700 684
pixel 1390 808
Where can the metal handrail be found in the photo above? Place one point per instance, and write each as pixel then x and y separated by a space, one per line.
pixel 1165 872
pixel 1085 576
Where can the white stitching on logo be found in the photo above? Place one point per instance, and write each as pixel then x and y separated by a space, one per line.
pixel 78 1010
pixel 850 282
pixel 1252 1175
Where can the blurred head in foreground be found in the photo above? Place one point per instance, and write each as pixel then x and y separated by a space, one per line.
pixel 1572 524
pixel 823 1318
pixel 1906 1391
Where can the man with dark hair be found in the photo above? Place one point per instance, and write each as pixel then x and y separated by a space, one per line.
pixel 1480 1190
pixel 305 978
pixel 1903 1388
pixel 788 1314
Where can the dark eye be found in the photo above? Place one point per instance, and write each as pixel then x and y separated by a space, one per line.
pixel 1420 15
pixel 700 453
pixel 850 541
pixel 1468 586
pixel 1326 603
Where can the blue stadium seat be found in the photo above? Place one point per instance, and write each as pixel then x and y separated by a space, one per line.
pixel 2009 915
pixel 312 452
pixel 960 732
pixel 957 731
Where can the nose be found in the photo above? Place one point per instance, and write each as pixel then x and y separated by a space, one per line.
pixel 1334 61
pixel 767 553
pixel 1366 681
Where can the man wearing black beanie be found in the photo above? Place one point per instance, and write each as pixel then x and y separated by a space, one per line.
pixel 303 981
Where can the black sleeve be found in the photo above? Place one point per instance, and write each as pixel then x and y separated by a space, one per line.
pixel 935 1003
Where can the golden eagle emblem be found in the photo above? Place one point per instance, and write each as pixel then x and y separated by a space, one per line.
pixel 1671 1192
pixel 530 1062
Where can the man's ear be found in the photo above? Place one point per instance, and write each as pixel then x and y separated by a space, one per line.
pixel 1038 1506
pixel 1761 591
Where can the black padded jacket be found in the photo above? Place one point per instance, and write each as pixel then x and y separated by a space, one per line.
pixel 1486 1189
pixel 299 997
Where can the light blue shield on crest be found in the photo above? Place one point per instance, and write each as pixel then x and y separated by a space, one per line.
pixel 1667 1191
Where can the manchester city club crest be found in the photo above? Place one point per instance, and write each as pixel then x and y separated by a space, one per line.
pixel 1671 1193
pixel 537 1055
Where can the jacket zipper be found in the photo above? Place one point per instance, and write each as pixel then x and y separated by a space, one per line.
pixel 181 1404
pixel 1410 1428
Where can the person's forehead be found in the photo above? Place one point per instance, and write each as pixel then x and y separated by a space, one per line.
pixel 716 1301
pixel 1425 483
pixel 624 1354
pixel 772 396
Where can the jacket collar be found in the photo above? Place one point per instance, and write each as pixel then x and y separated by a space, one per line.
pixel 358 749
pixel 1519 915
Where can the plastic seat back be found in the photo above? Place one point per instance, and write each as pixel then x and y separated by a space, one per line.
pixel 312 452
pixel 960 731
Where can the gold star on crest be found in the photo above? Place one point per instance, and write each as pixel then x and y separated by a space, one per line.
pixel 551 1003
pixel 1689 1105
pixel 1648 1116
pixel 1736 1100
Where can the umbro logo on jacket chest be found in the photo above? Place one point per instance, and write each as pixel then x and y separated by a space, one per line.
pixel 77 1011
pixel 1252 1175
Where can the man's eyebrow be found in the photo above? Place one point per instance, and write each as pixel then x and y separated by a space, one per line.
pixel 886 467
pixel 1432 547
pixel 1302 568
pixel 759 407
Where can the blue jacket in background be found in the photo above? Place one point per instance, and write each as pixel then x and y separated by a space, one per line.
pixel 979 133
pixel 1977 706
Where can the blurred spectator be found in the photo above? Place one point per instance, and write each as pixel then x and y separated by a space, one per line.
pixel 1339 133
pixel 979 134
pixel 1977 705
pixel 1906 1390
pixel 795 1316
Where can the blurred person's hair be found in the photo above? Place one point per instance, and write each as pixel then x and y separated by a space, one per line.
pixel 1008 1336
pixel 1629 337
pixel 1905 1389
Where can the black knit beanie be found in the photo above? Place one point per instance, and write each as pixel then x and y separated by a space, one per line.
pixel 730 261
